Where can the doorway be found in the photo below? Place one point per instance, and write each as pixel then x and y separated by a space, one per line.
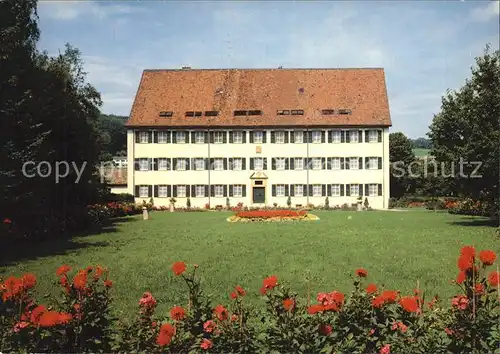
pixel 259 195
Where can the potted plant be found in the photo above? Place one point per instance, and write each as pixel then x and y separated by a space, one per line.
pixel 172 204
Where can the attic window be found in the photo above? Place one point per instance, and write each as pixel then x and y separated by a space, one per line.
pixel 283 113
pixel 211 113
pixel 193 114
pixel 327 111
pixel 297 112
pixel 240 113
pixel 166 113
pixel 255 113
pixel 344 111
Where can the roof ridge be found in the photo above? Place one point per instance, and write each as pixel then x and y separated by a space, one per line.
pixel 256 69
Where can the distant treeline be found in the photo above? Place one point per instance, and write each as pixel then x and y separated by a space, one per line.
pixel 421 143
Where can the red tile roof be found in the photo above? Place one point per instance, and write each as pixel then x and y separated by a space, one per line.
pixel 363 91
pixel 115 176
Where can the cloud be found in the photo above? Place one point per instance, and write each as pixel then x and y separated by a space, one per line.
pixel 70 10
pixel 486 12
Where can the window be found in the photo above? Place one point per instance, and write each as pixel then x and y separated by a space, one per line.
pixel 353 163
pixel 259 163
pixel 240 113
pixel 237 164
pixel 335 163
pixel 180 137
pixel 193 114
pixel 237 190
pixel 218 164
pixel 328 111
pixel 181 191
pixel 144 137
pixel 258 183
pixel 199 164
pixel 316 137
pixel 372 136
pixel 280 137
pixel 255 113
pixel 163 191
pixel 143 191
pixel 280 190
pixel 299 163
pixel 317 190
pixel 354 190
pixel 143 165
pixel 316 163
pixel 258 137
pixel 298 137
pixel 297 112
pixel 353 136
pixel 372 190
pixel 280 163
pixel 283 113
pixel 162 137
pixel 218 190
pixel 166 114
pixel 238 137
pixel 219 137
pixel 336 136
pixel 199 137
pixel 344 111
pixel 162 164
pixel 336 190
pixel 211 113
pixel 299 190
pixel 199 191
pixel 181 164
pixel 372 163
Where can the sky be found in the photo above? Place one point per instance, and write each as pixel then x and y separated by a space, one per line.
pixel 425 47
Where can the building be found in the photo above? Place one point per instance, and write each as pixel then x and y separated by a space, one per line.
pixel 259 136
pixel 116 178
pixel 120 161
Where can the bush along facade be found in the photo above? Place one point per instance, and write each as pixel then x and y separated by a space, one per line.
pixel 368 320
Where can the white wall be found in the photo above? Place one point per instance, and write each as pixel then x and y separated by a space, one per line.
pixel 268 150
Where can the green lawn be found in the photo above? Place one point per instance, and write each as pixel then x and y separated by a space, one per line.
pixel 396 248
pixel 421 152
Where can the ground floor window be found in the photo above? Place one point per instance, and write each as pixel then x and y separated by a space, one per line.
pixel 143 191
pixel 373 190
pixel 163 191
pixel 316 190
pixel 354 190
pixel 336 190
pixel 280 190
pixel 218 190
pixel 181 191
pixel 200 191
pixel 299 190
pixel 238 190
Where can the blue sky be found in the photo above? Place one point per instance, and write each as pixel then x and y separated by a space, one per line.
pixel 425 47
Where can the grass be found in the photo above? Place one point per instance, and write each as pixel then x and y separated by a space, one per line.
pixel 396 248
pixel 421 152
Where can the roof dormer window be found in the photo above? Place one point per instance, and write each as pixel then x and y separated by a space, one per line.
pixel 166 113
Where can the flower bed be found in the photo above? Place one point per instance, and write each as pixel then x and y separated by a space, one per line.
pixel 266 214
pixel 371 319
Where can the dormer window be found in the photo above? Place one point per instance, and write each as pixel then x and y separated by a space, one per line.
pixel 166 113
pixel 240 113
pixel 344 111
pixel 283 113
pixel 255 113
pixel 211 113
pixel 297 112
pixel 328 111
pixel 193 114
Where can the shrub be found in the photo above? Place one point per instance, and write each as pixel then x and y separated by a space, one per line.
pixel 289 202
pixel 188 203
pixel 228 204
pixel 435 204
pixel 366 204
pixel 327 203
pixel 122 197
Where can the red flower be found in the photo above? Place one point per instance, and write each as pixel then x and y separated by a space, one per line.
pixel 270 282
pixel 460 277
pixel 108 283
pixel 386 349
pixel 80 280
pixel 28 280
pixel 263 290
pixel 99 271
pixel 371 332
pixel 325 329
pixel 147 300
pixel 63 270
pixel 315 309
pixel 378 302
pixel 221 312
pixel 465 262
pixel 487 257
pixel 206 344
pixel 389 295
pixel 20 325
pixel 7 221
pixel 209 326
pixel 234 295
pixel 460 302
pixel 36 313
pixel 64 318
pixel 409 303
pixel 337 297
pixel 234 317
pixel 179 268
pixel 167 331
pixel 240 290
pixel 361 272
pixel 468 251
pixel 48 319
pixel 449 331
pixel 177 313
pixel 288 304
pixel 494 278
pixel 371 288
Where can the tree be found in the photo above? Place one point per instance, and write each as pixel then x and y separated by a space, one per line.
pixel 400 156
pixel 467 129
pixel 113 136
pixel 421 143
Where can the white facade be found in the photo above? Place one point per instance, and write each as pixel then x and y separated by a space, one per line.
pixel 329 173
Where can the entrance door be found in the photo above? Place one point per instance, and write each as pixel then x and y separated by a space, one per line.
pixel 259 194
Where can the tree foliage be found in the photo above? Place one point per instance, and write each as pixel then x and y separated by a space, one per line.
pixel 400 156
pixel 49 114
pixel 113 135
pixel 468 128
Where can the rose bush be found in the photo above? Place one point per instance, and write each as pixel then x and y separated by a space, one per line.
pixel 371 319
